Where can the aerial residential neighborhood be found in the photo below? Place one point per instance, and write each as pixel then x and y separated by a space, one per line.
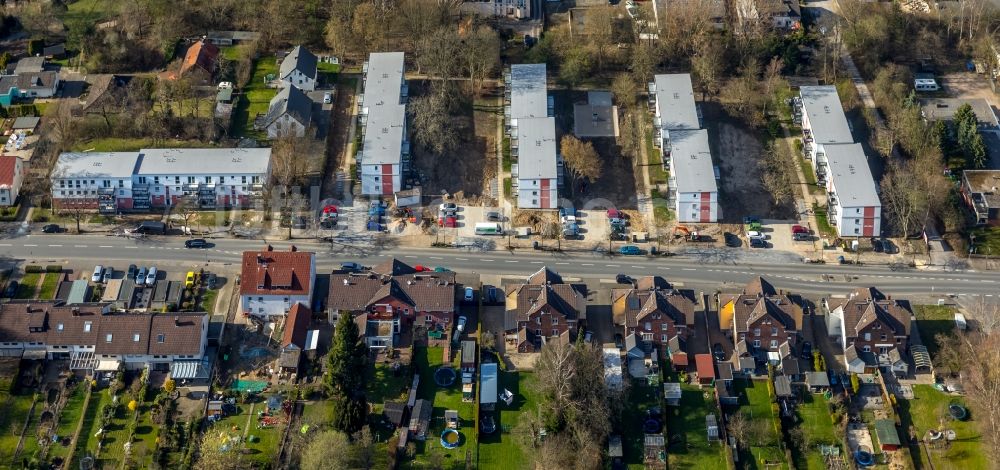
pixel 658 234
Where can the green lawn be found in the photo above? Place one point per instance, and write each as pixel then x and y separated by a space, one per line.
pixel 208 301
pixel 384 386
pixel 69 418
pixel 817 424
pixel 656 172
pixel 116 435
pixel 262 452
pixel 823 222
pixel 86 444
pixel 686 430
pixel 15 412
pixel 231 52
pixel 500 449
pixel 810 176
pixel 932 320
pixel 255 97
pixel 428 360
pixel 929 410
pixel 641 398
pixel 987 241
pixel 49 286
pixel 90 10
pixel 28 286
pixel 115 144
pixel 200 107
pixel 765 446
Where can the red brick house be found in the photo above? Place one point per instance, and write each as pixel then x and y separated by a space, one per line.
pixel 543 309
pixel 653 311
pixel 391 296
pixel 762 316
pixel 873 329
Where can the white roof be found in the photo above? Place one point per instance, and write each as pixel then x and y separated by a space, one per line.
pixel 691 159
pixel 386 115
pixel 528 95
pixel 675 101
pixel 851 176
pixel 96 165
pixel 536 148
pixel 204 161
pixel 826 115
pixel 488 383
pixel 613 368
pixel 672 390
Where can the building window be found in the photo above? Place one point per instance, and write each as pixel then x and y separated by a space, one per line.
pixel 135 338
pixel 255 179
pixel 86 326
pixel 555 321
pixel 190 179
pixel 106 183
pixel 142 180
pixel 555 332
pixel 663 326
pixel 774 343
pixel 156 180
pixel 59 327
pixel 161 338
pixel 663 338
pixel 867 348
pixel 538 332
pixel 428 318
pixel 649 326
pixel 856 231
pixel 868 336
pixel 756 343
pixel 857 211
pixel 177 180
pixel 62 183
pixel 208 179
pixel 244 179
pixel 121 183
pixel 756 331
pixel 108 338
pixel 774 331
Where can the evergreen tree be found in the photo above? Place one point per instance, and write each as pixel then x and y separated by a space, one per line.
pixel 345 376
pixel 968 138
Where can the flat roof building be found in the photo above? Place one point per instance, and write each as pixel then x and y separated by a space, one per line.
pixel 384 154
pixel 531 129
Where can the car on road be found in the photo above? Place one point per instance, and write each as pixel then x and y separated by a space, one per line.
pixel 351 266
pixel 470 294
pixel 140 276
pixel 630 250
pixel 98 274
pixel 421 268
pixel 151 276
pixel 108 272
pixel 195 243
pixel 51 228
pixel 732 240
pixel 327 98
pixel 758 243
pixel 441 269
pixel 460 324
pixel 11 289
pixel 623 278
pixel 718 352
pixel 132 269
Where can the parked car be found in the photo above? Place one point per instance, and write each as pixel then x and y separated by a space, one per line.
pixel 98 274
pixel 494 217
pixel 211 279
pixel 807 350
pixel 448 206
pixel 460 324
pixel 151 276
pixel 327 98
pixel 140 276
pixel 755 234
pixel 470 294
pixel 447 222
pixel 615 214
pixel 376 208
pixel 889 247
pixel 51 228
pixel 758 243
pixel 108 272
pixel 130 274
pixel 623 278
pixel 492 294
pixel 189 279
pixel 351 266
pixel 718 352
pixel 630 250
pixel 799 229
pixel 11 289
pixel 732 240
pixel 441 269
pixel 801 237
pixel 195 243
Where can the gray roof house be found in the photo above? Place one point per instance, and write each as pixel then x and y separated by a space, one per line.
pixel 290 113
pixel 299 68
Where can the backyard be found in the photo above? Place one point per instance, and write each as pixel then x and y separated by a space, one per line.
pixel 16 409
pixel 931 321
pixel 500 449
pixel 86 443
pixel 687 434
pixel 765 443
pixel 69 419
pixel 987 241
pixel 813 415
pixel 29 285
pixel 261 443
pixel 929 410
pixel 641 397
pixel 254 98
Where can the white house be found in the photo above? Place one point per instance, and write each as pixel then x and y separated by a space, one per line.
pixel 384 156
pixel 299 69
pixel 289 114
pixel 823 123
pixel 154 178
pixel 693 187
pixel 11 178
pixel 273 281
pixel 854 206
pixel 531 129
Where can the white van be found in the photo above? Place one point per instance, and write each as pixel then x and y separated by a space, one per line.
pixel 489 228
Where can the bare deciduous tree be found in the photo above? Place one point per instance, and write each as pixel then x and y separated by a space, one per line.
pixel 581 158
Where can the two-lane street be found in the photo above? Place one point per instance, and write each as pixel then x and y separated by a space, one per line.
pixel 693 271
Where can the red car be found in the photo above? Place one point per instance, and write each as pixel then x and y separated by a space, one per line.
pixel 420 268
pixel 448 222
pixel 799 229
pixel 615 214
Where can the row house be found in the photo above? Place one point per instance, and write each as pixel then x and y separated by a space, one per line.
pixel 384 156
pixel 840 164
pixel 692 188
pixel 272 282
pixel 530 127
pixel 656 313
pixel 93 338
pixel 872 329
pixel 761 321
pixel 112 182
pixel 543 309
pixel 391 296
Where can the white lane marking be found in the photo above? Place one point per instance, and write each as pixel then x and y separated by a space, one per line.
pixel 562 263
pixel 611 265
pixel 409 256
pixel 79 246
pixel 586 264
pixel 664 268
pixel 55 245
pixel 511 261
pixel 693 269
pixel 537 262
pixel 636 267
pixel 24 245
pixel 8 244
pixel 487 260
pixel 462 259
pixel 435 257
pixel 102 246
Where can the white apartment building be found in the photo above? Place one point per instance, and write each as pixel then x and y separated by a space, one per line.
pixel 384 156
pixel 530 126
pixel 113 182
pixel 692 189
pixel 840 164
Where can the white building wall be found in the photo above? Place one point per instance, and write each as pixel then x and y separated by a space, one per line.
pixel 373 176
pixel 300 80
pixel 688 207
pixel 285 125
pixel 271 304
pixel 530 194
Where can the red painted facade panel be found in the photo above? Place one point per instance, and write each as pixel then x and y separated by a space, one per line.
pixel 545 201
pixel 868 223
pixel 387 179
pixel 706 207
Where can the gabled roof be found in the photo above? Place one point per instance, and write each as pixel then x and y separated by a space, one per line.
pixel 202 55
pixel 545 276
pixel 296 326
pixel 866 305
pixel 393 267
pixel 633 306
pixel 424 292
pixel 298 59
pixel 8 169
pixel 271 272
pixel 772 307
pixel 758 300
pixel 760 286
pixel 292 101
pixel 528 299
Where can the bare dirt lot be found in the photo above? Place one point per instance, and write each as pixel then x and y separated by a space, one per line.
pixel 470 171
pixel 736 150
pixel 616 186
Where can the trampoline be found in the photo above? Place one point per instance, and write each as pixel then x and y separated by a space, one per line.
pixel 444 376
pixel 957 411
pixel 450 439
pixel 864 458
pixel 651 426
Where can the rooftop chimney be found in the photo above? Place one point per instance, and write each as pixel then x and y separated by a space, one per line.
pixel 27 308
pixel 294 249
pixel 76 311
pixel 269 247
pixel 177 321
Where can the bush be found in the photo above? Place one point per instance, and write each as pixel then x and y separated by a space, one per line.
pixel 53 268
pixel 34 268
pixel 39 217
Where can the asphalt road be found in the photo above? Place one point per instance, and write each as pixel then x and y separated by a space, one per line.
pixel 706 271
